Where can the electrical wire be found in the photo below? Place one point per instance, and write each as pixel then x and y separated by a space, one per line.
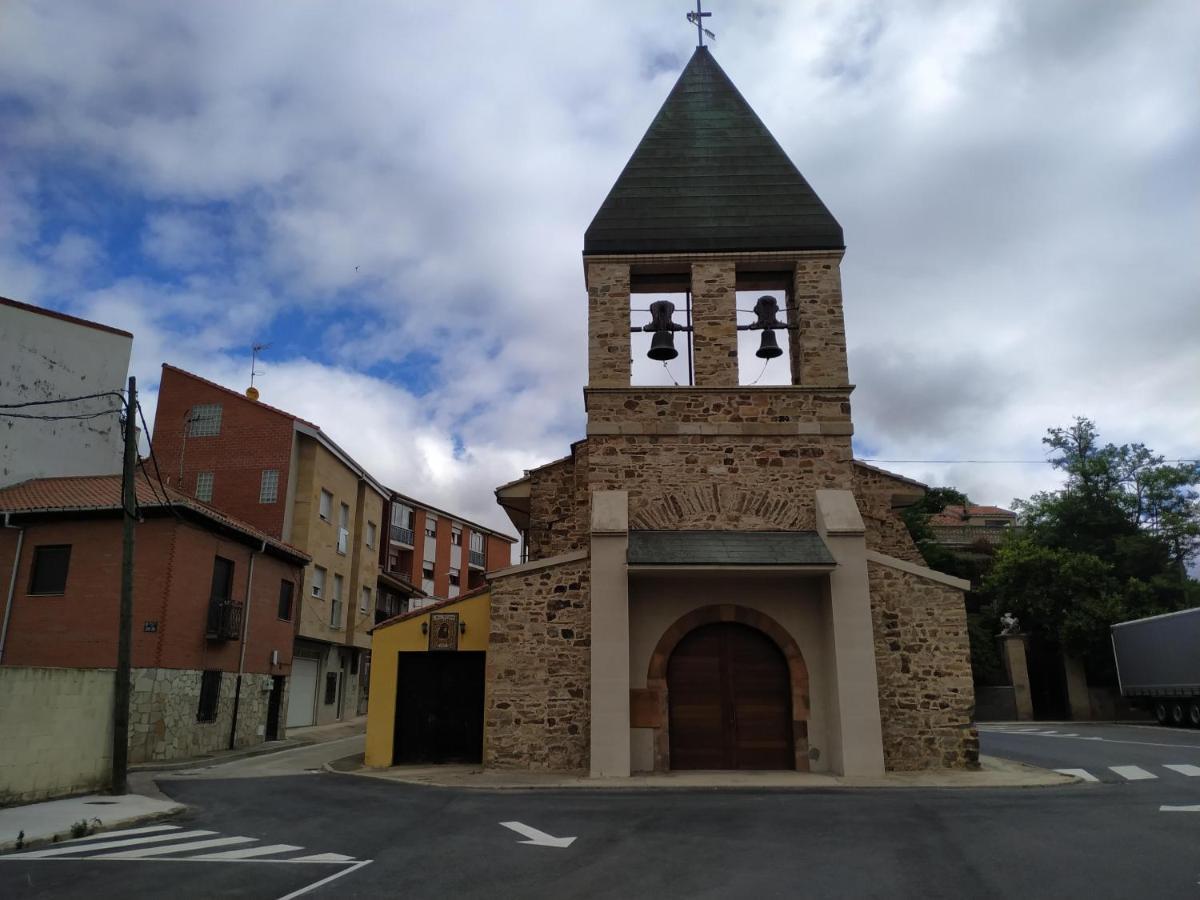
pixel 41 418
pixel 154 460
pixel 116 394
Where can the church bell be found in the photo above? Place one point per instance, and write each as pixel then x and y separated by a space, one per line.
pixel 662 346
pixel 768 346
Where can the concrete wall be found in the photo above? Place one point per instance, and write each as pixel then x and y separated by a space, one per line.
pixel 44 356
pixel 55 732
pixel 656 602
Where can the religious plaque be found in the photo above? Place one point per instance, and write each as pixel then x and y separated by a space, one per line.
pixel 443 631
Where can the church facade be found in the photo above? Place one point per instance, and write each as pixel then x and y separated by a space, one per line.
pixel 712 581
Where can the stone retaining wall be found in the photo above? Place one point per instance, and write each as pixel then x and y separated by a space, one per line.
pixel 537 712
pixel 923 661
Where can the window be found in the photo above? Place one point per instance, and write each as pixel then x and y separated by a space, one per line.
pixel 326 507
pixel 371 535
pixel 331 680
pixel 477 557
pixel 335 609
pixel 210 696
pixel 430 525
pixel 222 580
pixel 456 536
pixel 343 543
pixel 49 575
pixel 364 603
pixel 204 420
pixel 204 486
pixel 268 489
pixel 454 583
pixel 402 516
pixel 427 578
pixel 286 589
pixel 318 582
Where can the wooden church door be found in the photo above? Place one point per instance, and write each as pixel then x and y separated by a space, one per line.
pixel 729 700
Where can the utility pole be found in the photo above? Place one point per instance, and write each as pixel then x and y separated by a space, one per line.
pixel 120 748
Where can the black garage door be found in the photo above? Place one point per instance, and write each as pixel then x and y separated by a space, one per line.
pixel 439 708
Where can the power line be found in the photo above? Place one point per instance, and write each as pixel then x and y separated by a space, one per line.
pixel 116 394
pixel 154 460
pixel 42 418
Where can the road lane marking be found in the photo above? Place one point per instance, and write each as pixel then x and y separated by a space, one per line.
pixel 1132 773
pixel 1179 809
pixel 1108 740
pixel 1183 768
pixel 107 845
pixel 248 852
pixel 323 857
pixel 538 838
pixel 323 881
pixel 143 852
pixel 124 832
pixel 1078 773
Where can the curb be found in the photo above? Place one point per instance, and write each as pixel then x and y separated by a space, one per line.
pixel 35 843
pixel 196 761
pixel 694 788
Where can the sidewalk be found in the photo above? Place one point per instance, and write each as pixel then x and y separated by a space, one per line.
pixel 993 773
pixel 53 819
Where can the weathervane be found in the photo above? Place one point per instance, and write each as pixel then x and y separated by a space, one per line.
pixel 697 18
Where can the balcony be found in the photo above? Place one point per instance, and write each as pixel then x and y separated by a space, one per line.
pixel 402 535
pixel 224 621
pixel 476 558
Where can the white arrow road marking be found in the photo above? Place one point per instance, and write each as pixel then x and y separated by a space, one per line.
pixel 1182 768
pixel 1078 773
pixel 1179 809
pixel 538 838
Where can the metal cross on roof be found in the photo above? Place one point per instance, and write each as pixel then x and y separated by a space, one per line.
pixel 697 18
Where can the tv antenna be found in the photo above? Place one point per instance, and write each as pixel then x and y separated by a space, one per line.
pixel 254 351
pixel 697 18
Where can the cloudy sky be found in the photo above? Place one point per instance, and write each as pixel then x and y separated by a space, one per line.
pixel 394 195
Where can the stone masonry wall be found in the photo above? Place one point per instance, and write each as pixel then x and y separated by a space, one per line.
pixel 558 505
pixel 923 660
pixel 818 349
pixel 537 712
pixel 714 323
pixel 610 360
pixel 886 531
pixel 701 481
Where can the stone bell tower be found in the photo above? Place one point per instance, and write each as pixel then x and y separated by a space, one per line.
pixel 712 581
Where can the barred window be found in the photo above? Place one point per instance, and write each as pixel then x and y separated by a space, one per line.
pixel 268 489
pixel 204 486
pixel 205 420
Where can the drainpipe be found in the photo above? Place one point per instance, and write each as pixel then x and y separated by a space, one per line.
pixel 12 583
pixel 237 690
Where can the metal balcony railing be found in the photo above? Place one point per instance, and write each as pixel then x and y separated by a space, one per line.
pixel 402 535
pixel 475 558
pixel 224 620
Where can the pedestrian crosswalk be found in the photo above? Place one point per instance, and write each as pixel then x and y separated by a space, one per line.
pixel 1062 739
pixel 176 843
pixel 1134 773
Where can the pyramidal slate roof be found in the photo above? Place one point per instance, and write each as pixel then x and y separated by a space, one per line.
pixel 709 177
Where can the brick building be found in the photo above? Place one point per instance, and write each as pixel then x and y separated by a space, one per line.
pixel 286 476
pixel 213 608
pixel 712 580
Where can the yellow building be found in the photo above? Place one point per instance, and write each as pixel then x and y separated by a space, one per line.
pixel 427 677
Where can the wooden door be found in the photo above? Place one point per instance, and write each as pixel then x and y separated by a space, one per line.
pixel 730 701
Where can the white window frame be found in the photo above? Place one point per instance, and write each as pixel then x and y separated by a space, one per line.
pixel 372 535
pixel 317 589
pixel 268 486
pixel 204 486
pixel 364 602
pixel 431 524
pixel 402 516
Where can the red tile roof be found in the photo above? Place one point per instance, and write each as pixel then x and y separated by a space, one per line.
pixel 433 607
pixel 956 515
pixel 90 493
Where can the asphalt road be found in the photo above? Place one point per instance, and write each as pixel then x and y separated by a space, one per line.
pixel 1101 840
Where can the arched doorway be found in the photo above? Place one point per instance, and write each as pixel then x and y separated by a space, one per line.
pixel 729 698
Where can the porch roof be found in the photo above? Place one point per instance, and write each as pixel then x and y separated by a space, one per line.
pixel 728 548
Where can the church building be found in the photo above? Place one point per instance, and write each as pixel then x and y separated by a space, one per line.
pixel 712 580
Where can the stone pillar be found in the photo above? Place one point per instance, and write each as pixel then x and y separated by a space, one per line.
pixel 856 733
pixel 1077 689
pixel 818 347
pixel 610 355
pixel 714 323
pixel 1013 648
pixel 610 734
